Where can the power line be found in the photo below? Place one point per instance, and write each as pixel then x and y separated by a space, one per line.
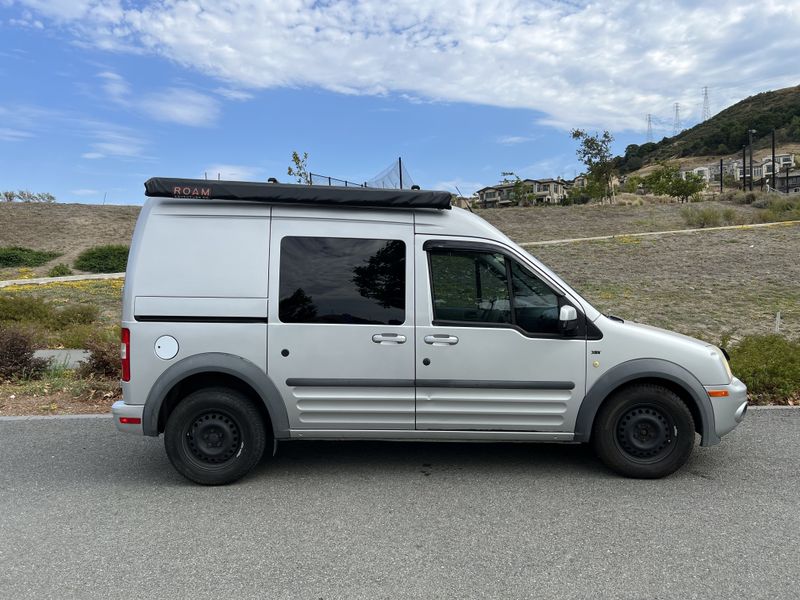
pixel 676 120
pixel 649 137
pixel 706 107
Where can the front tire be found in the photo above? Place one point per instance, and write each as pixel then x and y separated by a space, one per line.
pixel 644 431
pixel 215 436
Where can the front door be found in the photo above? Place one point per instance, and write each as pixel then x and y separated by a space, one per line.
pixel 490 353
pixel 341 322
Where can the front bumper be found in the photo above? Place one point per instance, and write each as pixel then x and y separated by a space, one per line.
pixel 729 410
pixel 131 412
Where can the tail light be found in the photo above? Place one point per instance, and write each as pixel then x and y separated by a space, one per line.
pixel 125 354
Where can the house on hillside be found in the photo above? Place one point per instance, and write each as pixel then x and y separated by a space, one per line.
pixel 502 194
pixel 579 182
pixel 781 161
pixel 704 172
pixel 542 191
pixel 550 191
pixel 793 183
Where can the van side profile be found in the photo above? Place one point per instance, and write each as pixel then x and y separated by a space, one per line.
pixel 255 313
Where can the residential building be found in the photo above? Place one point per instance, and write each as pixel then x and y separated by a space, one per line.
pixel 793 181
pixel 550 191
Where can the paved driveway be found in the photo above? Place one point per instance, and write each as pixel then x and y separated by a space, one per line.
pixel 87 512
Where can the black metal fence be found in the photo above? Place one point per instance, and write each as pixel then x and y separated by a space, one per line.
pixel 317 179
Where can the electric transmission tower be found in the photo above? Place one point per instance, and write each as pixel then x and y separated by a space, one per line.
pixel 676 120
pixel 649 137
pixel 706 107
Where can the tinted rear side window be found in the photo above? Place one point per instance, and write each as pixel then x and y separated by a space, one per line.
pixel 342 280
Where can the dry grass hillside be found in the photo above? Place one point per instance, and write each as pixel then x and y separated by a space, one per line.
pixel 65 228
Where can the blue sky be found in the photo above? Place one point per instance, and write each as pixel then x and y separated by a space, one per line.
pixel 99 95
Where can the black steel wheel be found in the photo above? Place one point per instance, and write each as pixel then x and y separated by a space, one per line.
pixel 644 431
pixel 215 436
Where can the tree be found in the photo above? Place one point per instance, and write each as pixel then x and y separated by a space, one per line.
pixel 666 180
pixel 632 184
pixel 521 194
pixel 382 278
pixel 594 151
pixel 27 196
pixel 300 169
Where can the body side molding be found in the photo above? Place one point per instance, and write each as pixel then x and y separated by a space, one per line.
pixel 216 362
pixel 433 383
pixel 646 368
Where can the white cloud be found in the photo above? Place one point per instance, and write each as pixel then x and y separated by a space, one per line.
pixel 234 172
pixel 181 105
pixel 117 142
pixel 602 64
pixel 513 140
pixel 84 192
pixel 8 134
pixel 177 105
pixel 232 94
pixel 115 86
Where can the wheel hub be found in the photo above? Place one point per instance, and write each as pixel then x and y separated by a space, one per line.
pixel 645 433
pixel 213 438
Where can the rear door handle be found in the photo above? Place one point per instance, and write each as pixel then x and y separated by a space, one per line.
pixel 389 338
pixel 441 340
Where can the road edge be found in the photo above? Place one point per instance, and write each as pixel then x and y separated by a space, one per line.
pixel 108 415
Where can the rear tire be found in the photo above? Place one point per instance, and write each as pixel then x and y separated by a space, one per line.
pixel 215 436
pixel 644 431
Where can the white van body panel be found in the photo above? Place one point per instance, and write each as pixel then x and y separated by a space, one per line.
pixel 207 273
pixel 627 341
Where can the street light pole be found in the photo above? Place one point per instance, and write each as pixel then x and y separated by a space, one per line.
pixel 750 133
pixel 744 167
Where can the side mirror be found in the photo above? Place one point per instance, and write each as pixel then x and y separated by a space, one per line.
pixel 568 319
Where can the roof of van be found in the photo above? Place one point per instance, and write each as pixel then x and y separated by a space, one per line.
pixel 280 193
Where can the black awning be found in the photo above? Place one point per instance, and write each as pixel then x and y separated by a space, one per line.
pixel 279 193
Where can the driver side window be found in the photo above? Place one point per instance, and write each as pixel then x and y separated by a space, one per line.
pixel 470 286
pixel 473 287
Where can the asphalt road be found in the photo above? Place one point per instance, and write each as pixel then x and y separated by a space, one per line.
pixel 87 512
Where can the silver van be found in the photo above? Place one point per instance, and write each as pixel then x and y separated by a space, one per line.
pixel 260 312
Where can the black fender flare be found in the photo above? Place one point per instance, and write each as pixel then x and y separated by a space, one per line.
pixel 216 362
pixel 646 368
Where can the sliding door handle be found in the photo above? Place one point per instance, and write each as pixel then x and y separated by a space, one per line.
pixel 441 340
pixel 389 338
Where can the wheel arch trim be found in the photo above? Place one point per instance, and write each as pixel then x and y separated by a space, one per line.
pixel 216 362
pixel 646 368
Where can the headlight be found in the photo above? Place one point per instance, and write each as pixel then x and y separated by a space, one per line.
pixel 723 357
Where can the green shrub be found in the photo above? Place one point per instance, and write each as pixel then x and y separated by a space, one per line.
pixel 770 367
pixel 103 259
pixel 104 360
pixel 16 356
pixel 761 203
pixel 60 270
pixel 74 336
pixel 777 208
pixel 27 309
pixel 708 216
pixel 75 314
pixel 17 256
pixel 24 308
